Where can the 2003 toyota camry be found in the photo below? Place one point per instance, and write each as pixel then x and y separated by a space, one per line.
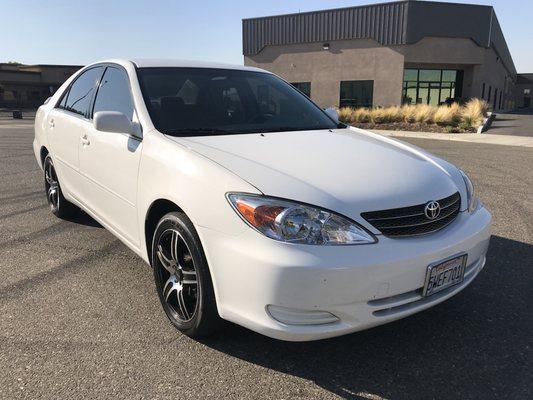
pixel 254 205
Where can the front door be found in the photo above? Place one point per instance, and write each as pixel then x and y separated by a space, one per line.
pixel 109 161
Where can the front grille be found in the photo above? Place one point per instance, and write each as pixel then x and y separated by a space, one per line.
pixel 409 221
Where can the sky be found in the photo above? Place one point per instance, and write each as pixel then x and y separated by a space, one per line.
pixel 79 32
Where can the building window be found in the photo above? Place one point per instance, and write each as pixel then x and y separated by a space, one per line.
pixel 527 91
pixel 431 86
pixel 304 87
pixel 490 90
pixel 356 94
pixel 483 91
pixel 500 101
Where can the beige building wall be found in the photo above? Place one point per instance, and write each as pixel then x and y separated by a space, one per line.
pixel 346 60
pixel 365 59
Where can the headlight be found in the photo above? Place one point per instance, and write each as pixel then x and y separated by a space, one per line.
pixel 292 222
pixel 470 193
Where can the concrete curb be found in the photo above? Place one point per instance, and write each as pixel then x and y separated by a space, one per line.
pixel 505 140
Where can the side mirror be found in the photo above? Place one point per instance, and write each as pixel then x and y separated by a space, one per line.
pixel 114 121
pixel 332 113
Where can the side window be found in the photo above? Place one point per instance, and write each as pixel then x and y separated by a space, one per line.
pixel 114 93
pixel 82 90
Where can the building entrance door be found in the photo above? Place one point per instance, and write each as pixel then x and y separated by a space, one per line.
pixel 527 101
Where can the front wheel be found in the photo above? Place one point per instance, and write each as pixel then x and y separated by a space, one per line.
pixel 59 206
pixel 182 277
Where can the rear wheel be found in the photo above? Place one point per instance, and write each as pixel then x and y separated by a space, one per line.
pixel 182 277
pixel 59 206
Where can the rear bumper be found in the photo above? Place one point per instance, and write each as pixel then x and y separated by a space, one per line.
pixel 363 286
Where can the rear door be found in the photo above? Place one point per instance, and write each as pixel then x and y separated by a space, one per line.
pixel 66 124
pixel 109 161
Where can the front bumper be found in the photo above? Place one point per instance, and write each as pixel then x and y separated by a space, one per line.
pixel 363 286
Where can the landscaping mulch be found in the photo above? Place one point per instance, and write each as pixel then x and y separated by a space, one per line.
pixel 412 127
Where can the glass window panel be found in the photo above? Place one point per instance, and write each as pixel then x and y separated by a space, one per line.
pixel 434 96
pixel 356 93
pixel 228 100
pixel 430 75
pixel 445 94
pixel 410 96
pixel 114 93
pixel 81 92
pixel 422 95
pixel 410 75
pixel 449 75
pixel 434 86
pixel 304 87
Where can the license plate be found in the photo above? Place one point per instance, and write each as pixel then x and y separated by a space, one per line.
pixel 444 274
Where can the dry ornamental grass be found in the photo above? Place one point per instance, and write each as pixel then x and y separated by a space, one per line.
pixel 451 118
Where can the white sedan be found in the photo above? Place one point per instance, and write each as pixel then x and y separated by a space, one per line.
pixel 252 204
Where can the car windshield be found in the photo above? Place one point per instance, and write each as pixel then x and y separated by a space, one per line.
pixel 207 101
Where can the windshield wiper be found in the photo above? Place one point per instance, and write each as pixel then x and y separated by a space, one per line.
pixel 290 129
pixel 197 131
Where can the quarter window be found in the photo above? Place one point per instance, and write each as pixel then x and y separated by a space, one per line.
pixel 114 93
pixel 81 92
pixel 356 94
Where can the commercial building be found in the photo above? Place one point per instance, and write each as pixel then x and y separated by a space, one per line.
pixel 28 86
pixel 388 54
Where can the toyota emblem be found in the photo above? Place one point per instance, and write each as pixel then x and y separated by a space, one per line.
pixel 432 210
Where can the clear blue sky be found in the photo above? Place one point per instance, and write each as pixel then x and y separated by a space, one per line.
pixel 80 32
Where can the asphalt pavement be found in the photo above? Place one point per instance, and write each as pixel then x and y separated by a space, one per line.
pixel 518 123
pixel 79 315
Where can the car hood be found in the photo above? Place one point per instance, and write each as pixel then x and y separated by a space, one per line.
pixel 349 171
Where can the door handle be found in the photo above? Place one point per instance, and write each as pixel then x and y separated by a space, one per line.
pixel 85 141
pixel 51 123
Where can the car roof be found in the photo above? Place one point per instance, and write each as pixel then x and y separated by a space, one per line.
pixel 154 63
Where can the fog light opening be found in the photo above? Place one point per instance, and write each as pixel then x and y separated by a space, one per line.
pixel 292 316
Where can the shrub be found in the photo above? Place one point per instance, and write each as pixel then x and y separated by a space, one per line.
pixel 465 126
pixel 378 116
pixel 424 113
pixel 453 117
pixel 392 114
pixel 362 115
pixel 451 129
pixel 408 113
pixel 447 115
pixel 346 115
pixel 473 113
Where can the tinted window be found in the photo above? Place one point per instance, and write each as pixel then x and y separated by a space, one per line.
pixel 193 101
pixel 356 94
pixel 304 87
pixel 82 90
pixel 114 93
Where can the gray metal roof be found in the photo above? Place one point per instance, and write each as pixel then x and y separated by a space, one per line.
pixel 396 23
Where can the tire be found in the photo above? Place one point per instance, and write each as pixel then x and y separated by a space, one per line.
pixel 184 287
pixel 59 206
